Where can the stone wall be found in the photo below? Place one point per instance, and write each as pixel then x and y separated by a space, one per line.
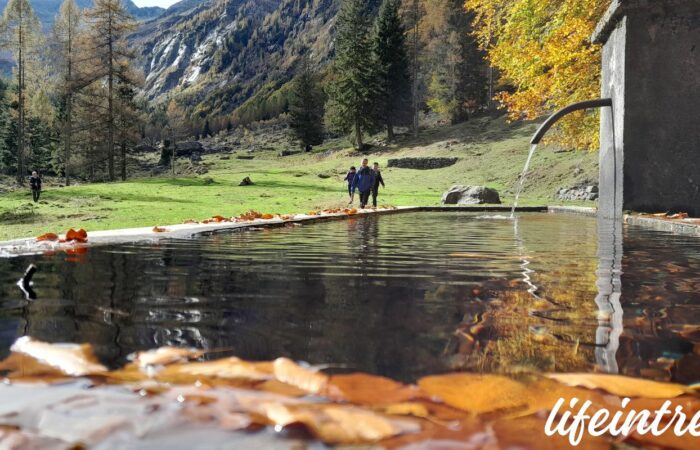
pixel 422 163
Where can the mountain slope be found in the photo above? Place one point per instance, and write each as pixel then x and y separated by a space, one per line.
pixel 215 54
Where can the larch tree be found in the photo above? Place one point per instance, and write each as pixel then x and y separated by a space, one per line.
pixel 393 67
pixel 353 88
pixel 108 24
pixel 21 35
pixel 413 12
pixel 306 107
pixel 457 75
pixel 65 40
pixel 542 50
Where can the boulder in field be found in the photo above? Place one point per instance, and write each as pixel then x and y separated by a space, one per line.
pixel 187 148
pixel 470 195
pixel 246 182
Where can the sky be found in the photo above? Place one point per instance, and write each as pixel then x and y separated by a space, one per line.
pixel 161 3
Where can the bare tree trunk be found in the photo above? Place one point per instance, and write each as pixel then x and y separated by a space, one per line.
pixel 389 132
pixel 358 136
pixel 20 101
pixel 110 102
pixel 123 154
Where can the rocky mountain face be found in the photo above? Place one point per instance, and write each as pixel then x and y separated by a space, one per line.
pixel 214 54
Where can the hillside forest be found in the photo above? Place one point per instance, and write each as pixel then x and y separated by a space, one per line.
pixel 81 100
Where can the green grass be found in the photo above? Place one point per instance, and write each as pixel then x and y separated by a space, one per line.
pixel 492 153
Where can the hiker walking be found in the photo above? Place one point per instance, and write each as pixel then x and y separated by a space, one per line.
pixel 363 182
pixel 349 177
pixel 35 185
pixel 377 181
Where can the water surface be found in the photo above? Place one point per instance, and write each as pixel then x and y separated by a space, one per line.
pixel 400 295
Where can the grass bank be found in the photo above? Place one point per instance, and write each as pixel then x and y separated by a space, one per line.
pixel 491 151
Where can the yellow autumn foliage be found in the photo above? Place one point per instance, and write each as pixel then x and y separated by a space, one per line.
pixel 542 49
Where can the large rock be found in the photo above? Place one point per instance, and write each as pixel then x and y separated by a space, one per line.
pixel 426 163
pixel 589 192
pixel 188 148
pixel 470 195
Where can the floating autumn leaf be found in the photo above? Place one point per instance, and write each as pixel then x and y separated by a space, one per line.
pixel 287 371
pixel 226 369
pixel 464 434
pixel 47 237
pixel 336 424
pixel 76 235
pixel 621 385
pixel 678 216
pixel 32 357
pixel 476 394
pixel 158 229
pixel 365 389
pixel 164 356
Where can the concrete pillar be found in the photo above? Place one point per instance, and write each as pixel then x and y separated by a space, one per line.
pixel 650 157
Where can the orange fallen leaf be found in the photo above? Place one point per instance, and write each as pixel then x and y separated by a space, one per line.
pixel 76 235
pixel 336 424
pixel 227 368
pixel 47 237
pixel 287 371
pixel 67 359
pixel 165 355
pixel 267 216
pixel 679 216
pixel 366 389
pixel 621 385
pixel 190 222
pixel 496 392
pixel 158 229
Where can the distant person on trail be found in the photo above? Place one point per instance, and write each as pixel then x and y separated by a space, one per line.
pixel 349 177
pixel 35 184
pixel 377 181
pixel 363 182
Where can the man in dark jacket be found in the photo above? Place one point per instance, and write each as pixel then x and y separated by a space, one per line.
pixel 363 182
pixel 377 181
pixel 35 184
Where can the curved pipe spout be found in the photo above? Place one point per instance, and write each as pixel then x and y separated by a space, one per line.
pixel 554 118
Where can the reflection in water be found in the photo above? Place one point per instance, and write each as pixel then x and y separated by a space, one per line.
pixel 609 285
pixel 400 295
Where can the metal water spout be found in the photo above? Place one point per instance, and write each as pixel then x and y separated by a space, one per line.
pixel 542 130
pixel 554 118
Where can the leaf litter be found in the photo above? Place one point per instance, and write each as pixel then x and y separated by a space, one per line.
pixel 59 395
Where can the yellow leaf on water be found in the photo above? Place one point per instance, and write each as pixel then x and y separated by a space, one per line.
pixel 365 389
pixel 408 409
pixel 476 394
pixel 621 385
pixel 67 359
pixel 287 371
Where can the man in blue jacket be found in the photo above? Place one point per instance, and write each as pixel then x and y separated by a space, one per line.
pixel 363 182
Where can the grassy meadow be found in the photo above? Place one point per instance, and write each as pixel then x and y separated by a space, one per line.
pixel 491 151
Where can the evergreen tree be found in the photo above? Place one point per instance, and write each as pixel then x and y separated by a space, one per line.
pixel 8 158
pixel 65 37
pixel 392 67
pixel 306 107
pixel 21 36
pixel 353 90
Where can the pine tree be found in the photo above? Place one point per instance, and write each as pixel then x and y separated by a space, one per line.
pixel 108 61
pixel 353 90
pixel 65 34
pixel 22 35
pixel 392 67
pixel 306 107
pixel 8 158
